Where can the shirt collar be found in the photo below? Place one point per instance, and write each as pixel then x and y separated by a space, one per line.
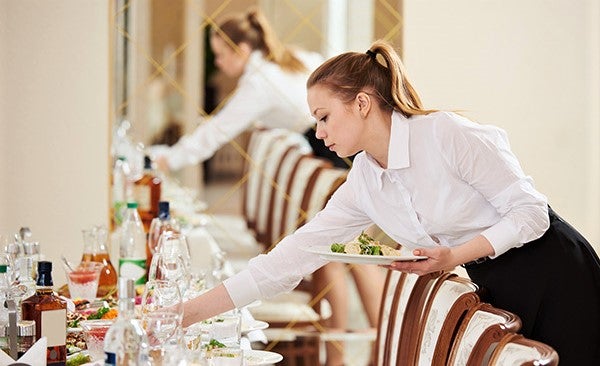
pixel 398 149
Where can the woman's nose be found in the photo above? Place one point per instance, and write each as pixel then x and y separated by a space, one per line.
pixel 320 133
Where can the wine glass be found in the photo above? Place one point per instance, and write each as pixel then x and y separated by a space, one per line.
pixel 162 315
pixel 169 267
pixel 175 243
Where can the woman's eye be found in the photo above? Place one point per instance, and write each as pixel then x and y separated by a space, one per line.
pixel 323 119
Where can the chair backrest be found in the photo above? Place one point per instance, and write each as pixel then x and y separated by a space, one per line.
pixel 260 144
pixel 400 316
pixel 268 184
pixel 451 297
pixel 480 331
pixel 514 349
pixel 318 191
pixel 304 171
pixel 279 195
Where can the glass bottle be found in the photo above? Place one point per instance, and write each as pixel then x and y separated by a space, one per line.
pixel 94 250
pixel 120 190
pixel 163 222
pixel 4 293
pixel 126 342
pixel 146 192
pixel 132 248
pixel 50 315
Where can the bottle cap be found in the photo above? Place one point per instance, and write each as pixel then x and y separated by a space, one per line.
pixel 44 266
pixel 132 205
pixel 3 268
pixel 163 209
pixel 44 274
pixel 147 162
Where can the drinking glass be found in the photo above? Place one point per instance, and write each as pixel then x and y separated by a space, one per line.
pixel 226 328
pixel 83 280
pixel 175 244
pixel 94 332
pixel 162 314
pixel 169 267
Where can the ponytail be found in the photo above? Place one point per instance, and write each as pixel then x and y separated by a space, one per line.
pixel 254 29
pixel 353 72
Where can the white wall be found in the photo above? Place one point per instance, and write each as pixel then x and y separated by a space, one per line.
pixel 54 115
pixel 531 67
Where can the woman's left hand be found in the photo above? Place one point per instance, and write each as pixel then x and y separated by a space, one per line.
pixel 438 259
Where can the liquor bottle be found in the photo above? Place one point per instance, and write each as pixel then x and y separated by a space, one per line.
pixel 126 342
pixel 94 250
pixel 163 222
pixel 50 315
pixel 132 248
pixel 120 190
pixel 146 192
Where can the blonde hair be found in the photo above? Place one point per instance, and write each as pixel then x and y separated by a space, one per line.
pixel 350 73
pixel 254 29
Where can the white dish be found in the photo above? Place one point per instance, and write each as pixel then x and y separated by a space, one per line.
pixel 257 358
pixel 326 253
pixel 254 325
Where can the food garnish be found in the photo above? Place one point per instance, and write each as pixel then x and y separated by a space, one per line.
pixel 365 245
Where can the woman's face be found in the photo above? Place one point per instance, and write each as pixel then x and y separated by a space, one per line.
pixel 230 61
pixel 339 125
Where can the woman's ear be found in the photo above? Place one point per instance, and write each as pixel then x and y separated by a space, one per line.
pixel 363 103
pixel 245 49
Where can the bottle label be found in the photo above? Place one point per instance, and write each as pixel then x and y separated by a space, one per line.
pixel 54 327
pixel 141 194
pixel 134 268
pixel 110 359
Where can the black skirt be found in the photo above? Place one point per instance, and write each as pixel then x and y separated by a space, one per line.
pixel 553 285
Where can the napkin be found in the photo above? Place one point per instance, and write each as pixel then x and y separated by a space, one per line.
pixel 35 356
pixel 254 335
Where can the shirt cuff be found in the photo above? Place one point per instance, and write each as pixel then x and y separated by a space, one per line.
pixel 242 288
pixel 502 236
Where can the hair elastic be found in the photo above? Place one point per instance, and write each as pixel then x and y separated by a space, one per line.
pixel 371 54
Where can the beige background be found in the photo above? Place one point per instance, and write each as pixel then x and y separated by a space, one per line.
pixel 531 67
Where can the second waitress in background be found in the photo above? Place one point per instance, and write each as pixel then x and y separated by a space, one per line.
pixel 271 89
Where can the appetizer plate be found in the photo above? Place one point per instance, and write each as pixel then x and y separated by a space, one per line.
pixel 257 358
pixel 326 253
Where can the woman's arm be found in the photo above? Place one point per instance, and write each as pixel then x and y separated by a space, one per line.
pixel 209 304
pixel 247 104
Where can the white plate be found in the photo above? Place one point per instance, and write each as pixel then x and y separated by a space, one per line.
pixel 255 325
pixel 326 253
pixel 257 358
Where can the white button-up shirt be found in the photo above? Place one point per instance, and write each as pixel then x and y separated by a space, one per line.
pixel 266 95
pixel 448 180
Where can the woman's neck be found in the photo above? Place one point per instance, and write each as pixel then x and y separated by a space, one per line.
pixel 378 136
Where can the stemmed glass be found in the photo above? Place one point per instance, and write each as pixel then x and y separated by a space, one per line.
pixel 162 315
pixel 170 267
pixel 175 243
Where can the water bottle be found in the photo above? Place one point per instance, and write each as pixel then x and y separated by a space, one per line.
pixel 132 248
pixel 120 190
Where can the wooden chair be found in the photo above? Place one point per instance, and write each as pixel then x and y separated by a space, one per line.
pixel 515 349
pixel 481 329
pixel 450 299
pixel 400 317
pixel 260 144
pixel 268 184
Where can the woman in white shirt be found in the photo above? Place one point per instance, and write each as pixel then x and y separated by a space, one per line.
pixel 446 187
pixel 271 90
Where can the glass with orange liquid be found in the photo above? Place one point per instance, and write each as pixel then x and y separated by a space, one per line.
pixel 94 250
